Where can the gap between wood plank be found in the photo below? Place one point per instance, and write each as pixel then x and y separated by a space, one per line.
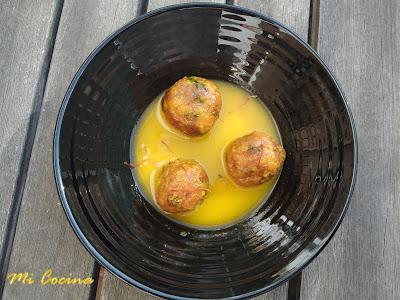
pixel 142 7
pixel 294 287
pixel 97 276
pixel 99 287
pixel 313 24
pixel 23 167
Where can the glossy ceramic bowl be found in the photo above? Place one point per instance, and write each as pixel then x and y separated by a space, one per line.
pixel 114 86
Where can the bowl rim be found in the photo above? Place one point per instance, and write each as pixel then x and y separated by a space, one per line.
pixel 56 147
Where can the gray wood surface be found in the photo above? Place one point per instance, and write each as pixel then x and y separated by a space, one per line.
pixel 293 13
pixel 153 4
pixel 113 288
pixel 24 35
pixel 360 40
pixel 44 238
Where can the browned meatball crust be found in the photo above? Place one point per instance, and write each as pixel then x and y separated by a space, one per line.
pixel 182 186
pixel 192 105
pixel 254 159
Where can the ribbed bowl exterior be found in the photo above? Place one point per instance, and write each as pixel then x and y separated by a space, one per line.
pixel 114 86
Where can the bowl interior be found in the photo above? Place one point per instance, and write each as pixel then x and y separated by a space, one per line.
pixel 118 81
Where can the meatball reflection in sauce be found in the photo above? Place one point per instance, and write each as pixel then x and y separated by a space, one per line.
pixel 182 186
pixel 192 105
pixel 254 159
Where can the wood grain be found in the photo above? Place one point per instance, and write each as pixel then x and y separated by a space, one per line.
pixel 153 4
pixel 294 14
pixel 113 288
pixel 360 40
pixel 44 238
pixel 24 35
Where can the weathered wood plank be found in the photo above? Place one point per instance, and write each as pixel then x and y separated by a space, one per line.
pixel 44 238
pixel 360 40
pixel 153 4
pixel 25 35
pixel 113 288
pixel 294 14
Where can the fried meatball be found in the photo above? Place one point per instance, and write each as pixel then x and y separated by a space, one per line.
pixel 254 159
pixel 182 186
pixel 192 105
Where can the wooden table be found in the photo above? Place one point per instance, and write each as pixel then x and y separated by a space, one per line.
pixel 42 45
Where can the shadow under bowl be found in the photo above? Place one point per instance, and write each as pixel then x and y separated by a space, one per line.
pixel 114 86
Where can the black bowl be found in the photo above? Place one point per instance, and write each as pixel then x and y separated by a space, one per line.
pixel 116 83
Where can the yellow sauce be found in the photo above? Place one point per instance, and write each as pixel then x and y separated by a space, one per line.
pixel 156 142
